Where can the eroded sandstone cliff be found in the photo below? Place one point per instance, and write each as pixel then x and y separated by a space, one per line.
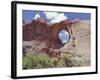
pixel 39 37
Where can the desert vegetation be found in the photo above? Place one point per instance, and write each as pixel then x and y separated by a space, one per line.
pixel 36 61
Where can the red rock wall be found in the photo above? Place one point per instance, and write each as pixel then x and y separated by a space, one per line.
pixel 40 31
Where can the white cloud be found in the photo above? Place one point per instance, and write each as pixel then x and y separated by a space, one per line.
pixel 60 34
pixel 66 33
pixel 37 16
pixel 64 36
pixel 64 41
pixel 63 32
pixel 51 15
pixel 55 16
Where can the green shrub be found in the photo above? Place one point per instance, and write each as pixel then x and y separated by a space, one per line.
pixel 31 61
pixel 36 61
pixel 42 60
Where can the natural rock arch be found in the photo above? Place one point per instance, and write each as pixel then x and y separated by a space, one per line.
pixel 40 30
pixel 54 31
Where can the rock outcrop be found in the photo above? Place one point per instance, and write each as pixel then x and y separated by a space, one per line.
pixel 40 37
pixel 39 30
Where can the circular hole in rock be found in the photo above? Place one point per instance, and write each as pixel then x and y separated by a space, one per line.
pixel 64 36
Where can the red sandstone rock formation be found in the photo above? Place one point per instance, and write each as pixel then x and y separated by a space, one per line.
pixel 40 30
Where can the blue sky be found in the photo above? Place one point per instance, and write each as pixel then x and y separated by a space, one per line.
pixel 28 15
pixel 64 36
